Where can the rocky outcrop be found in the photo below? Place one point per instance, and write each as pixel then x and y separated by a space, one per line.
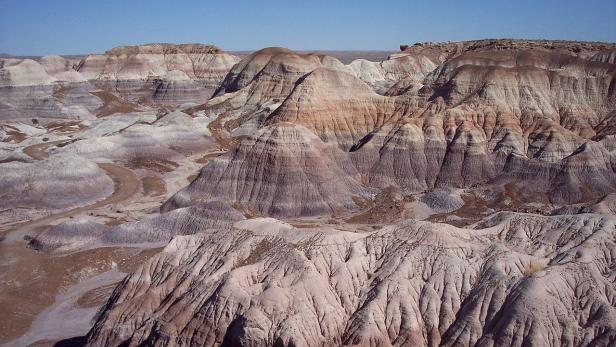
pixel 513 280
pixel 441 51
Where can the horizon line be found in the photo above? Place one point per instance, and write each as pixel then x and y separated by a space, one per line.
pixel 7 54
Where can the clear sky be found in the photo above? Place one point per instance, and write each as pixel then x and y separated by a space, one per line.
pixel 38 27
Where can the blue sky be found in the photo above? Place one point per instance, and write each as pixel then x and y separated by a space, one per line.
pixel 37 27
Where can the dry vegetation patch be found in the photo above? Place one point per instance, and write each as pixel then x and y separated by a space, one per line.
pixel 533 267
pixel 387 207
pixel 259 249
pixel 113 104
pixel 158 165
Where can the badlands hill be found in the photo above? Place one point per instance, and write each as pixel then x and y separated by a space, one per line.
pixel 467 129
pixel 482 116
pixel 514 280
pixel 124 79
pixel 169 73
pixel 455 194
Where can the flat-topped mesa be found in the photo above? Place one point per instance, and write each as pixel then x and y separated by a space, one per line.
pixel 444 50
pixel 165 48
pixel 165 73
pixel 142 62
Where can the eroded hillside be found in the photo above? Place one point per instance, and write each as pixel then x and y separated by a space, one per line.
pixel 454 194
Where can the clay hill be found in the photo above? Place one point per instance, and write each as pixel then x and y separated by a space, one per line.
pixel 539 118
pixel 455 194
pixel 124 79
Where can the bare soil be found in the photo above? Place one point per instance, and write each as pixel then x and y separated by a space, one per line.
pixel 510 198
pixel 30 280
pixel 64 127
pixel 208 157
pixel 61 90
pixel 220 133
pixel 153 186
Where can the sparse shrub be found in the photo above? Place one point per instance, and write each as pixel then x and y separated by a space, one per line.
pixel 533 267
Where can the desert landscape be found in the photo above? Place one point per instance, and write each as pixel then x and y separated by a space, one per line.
pixel 446 193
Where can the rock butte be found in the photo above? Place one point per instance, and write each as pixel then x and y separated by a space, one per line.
pixel 458 193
